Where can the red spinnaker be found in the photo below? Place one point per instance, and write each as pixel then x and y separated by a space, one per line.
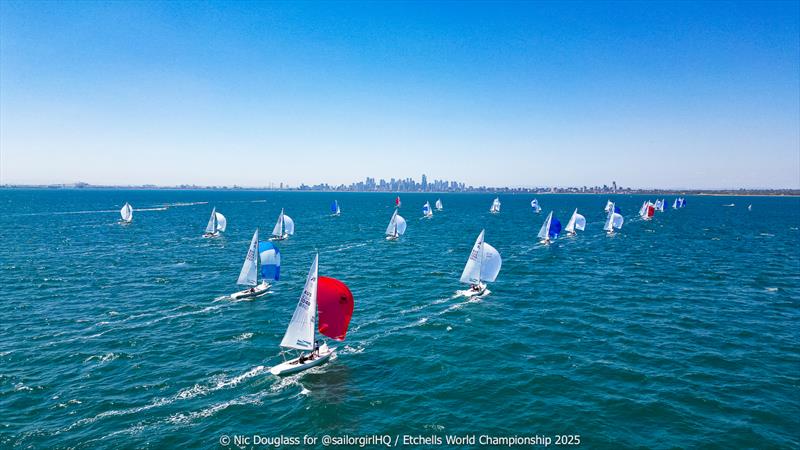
pixel 650 210
pixel 335 304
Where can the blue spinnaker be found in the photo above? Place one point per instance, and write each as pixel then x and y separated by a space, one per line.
pixel 270 261
pixel 555 228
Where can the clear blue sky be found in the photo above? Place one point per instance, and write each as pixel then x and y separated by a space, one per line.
pixel 680 94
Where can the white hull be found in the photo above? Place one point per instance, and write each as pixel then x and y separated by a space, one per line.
pixel 475 293
pixel 256 291
pixel 125 222
pixel 545 242
pixel 294 365
pixel 392 238
pixel 211 235
pixel 571 233
pixel 279 238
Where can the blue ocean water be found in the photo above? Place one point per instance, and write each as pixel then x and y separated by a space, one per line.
pixel 679 332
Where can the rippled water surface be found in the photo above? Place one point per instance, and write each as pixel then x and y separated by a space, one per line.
pixel 678 332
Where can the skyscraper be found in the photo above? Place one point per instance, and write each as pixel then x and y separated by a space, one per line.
pixel 424 182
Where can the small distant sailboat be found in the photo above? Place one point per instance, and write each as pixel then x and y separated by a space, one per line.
pixel 495 208
pixel 335 210
pixel 397 202
pixel 614 219
pixel 270 258
pixel 482 267
pixel 730 205
pixel 647 210
pixel 576 222
pixel 127 213
pixel 750 207
pixel 550 229
pixel 396 228
pixel 659 206
pixel 332 301
pixel 679 202
pixel 609 205
pixel 427 212
pixel 535 206
pixel 439 206
pixel 216 224
pixel 284 227
pixel 675 204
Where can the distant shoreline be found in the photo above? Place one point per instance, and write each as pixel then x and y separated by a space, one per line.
pixel 505 191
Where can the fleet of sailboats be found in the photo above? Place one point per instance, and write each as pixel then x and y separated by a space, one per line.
pixel 482 267
pixel 325 305
pixel 127 213
pixel 427 212
pixel 270 258
pixel 216 224
pixel 550 230
pixel 576 222
pixel 495 208
pixel 284 227
pixel 396 228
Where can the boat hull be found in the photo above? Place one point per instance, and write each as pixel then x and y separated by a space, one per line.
pixel 257 291
pixel 211 235
pixel 279 238
pixel 294 366
pixel 392 238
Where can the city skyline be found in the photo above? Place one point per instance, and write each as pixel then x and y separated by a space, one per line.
pixel 654 95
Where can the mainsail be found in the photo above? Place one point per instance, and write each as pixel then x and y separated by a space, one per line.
pixel 300 333
pixel 278 229
pixel 397 225
pixel 545 230
pixel 614 219
pixel 126 212
pixel 222 223
pixel 439 206
pixel 249 274
pixel 335 207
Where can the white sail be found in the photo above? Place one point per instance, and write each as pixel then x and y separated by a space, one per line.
pixel 545 230
pixel 126 212
pixel 579 221
pixel 426 210
pixel 222 223
pixel 490 266
pixel 400 224
pixel 472 270
pixel 249 274
pixel 278 230
pixel 643 209
pixel 570 228
pixel 609 206
pixel 300 333
pixel 288 225
pixel 338 210
pixel 439 204
pixel 391 228
pixel 495 205
pixel 614 220
pixel 212 226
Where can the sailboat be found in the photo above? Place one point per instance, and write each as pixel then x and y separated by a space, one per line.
pixel 535 206
pixel 333 302
pixel 614 219
pixel 495 208
pixel 750 207
pixel 609 205
pixel 550 229
pixel 482 267
pixel 127 213
pixel 396 228
pixel 439 206
pixel 427 212
pixel 659 206
pixel 647 211
pixel 576 222
pixel 216 224
pixel 335 210
pixel 397 202
pixel 270 258
pixel 284 227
